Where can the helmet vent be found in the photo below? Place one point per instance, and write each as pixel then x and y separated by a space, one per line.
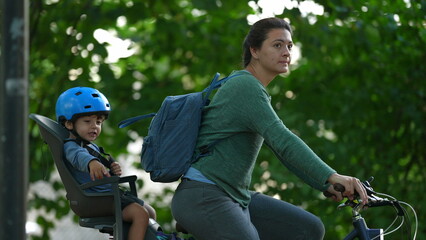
pixel 95 95
pixel 88 106
pixel 78 93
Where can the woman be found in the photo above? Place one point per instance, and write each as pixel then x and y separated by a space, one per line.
pixel 213 200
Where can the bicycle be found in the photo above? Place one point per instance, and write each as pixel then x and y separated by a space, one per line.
pixel 375 199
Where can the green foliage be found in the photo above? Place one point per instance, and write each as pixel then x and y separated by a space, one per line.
pixel 356 97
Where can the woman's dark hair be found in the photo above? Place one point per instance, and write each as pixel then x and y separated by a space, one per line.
pixel 258 33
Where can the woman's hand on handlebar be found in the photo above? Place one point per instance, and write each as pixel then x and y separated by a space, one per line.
pixel 352 187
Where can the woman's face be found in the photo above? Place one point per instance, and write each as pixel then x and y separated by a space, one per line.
pixel 274 56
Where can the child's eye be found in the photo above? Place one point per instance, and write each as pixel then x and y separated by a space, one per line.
pixel 277 45
pixel 290 46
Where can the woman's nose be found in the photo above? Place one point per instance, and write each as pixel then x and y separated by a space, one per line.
pixel 286 51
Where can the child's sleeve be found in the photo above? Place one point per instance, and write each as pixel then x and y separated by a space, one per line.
pixel 78 157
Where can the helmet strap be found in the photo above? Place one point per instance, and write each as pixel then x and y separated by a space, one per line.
pixel 79 139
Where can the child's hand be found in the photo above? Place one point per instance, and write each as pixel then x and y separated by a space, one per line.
pixel 97 170
pixel 115 168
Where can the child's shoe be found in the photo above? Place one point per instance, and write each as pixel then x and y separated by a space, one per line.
pixel 164 236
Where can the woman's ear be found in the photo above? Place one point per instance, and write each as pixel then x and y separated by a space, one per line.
pixel 253 52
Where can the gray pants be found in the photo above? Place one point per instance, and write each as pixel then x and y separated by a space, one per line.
pixel 208 213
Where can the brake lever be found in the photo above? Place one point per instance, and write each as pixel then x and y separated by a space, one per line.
pixel 368 187
pixel 347 203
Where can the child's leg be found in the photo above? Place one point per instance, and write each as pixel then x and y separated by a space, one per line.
pixel 151 211
pixel 138 216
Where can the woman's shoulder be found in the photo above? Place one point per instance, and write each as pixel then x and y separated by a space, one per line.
pixel 245 83
pixel 243 78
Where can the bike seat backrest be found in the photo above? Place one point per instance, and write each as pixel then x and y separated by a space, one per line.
pixel 81 203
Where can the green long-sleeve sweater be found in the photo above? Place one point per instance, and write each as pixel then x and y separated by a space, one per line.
pixel 241 114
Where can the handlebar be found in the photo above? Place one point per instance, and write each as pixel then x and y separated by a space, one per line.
pixel 373 199
pixel 340 188
pixel 377 199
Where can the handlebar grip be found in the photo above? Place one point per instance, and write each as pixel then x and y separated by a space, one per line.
pixel 338 187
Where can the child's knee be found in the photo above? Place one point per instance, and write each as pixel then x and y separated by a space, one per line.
pixel 151 211
pixel 135 212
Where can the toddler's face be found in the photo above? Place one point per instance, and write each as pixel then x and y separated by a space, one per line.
pixel 89 127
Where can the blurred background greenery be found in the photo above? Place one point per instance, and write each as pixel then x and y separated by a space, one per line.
pixel 356 93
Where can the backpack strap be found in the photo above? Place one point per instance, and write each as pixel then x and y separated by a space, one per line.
pixel 215 84
pixel 132 120
pixel 204 150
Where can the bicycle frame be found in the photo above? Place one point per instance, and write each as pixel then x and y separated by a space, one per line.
pixel 363 232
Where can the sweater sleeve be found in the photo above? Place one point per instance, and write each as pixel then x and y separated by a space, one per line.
pixel 78 156
pixel 255 109
pixel 297 156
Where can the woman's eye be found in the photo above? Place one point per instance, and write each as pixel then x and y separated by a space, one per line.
pixel 278 45
pixel 290 46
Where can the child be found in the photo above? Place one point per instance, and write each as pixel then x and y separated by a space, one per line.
pixel 82 111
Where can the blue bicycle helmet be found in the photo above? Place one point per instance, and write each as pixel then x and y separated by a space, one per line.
pixel 81 101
